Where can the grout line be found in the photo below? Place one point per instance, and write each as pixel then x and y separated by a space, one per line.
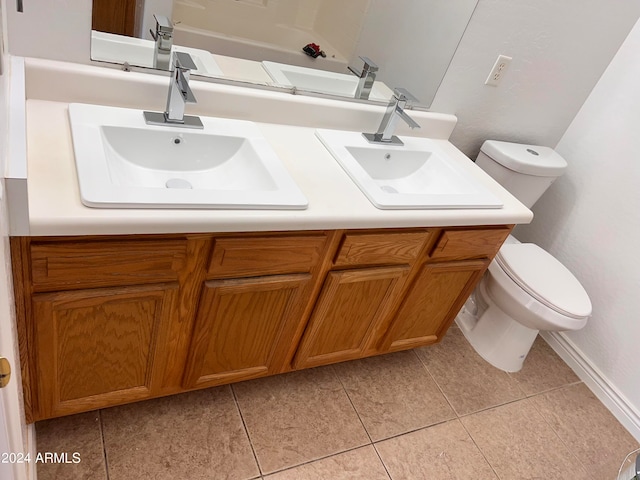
pixel 552 389
pixel 479 449
pixel 550 425
pixel 359 418
pixel 104 445
pixel 246 430
pixel 307 462
pixel 396 435
pixel 517 400
pixel 424 365
pixel 352 405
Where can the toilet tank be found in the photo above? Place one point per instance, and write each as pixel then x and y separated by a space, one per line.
pixel 526 171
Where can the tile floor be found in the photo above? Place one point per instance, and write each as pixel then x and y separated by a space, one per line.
pixel 438 412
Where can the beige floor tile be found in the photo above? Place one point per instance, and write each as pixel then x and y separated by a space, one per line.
pixel 360 464
pixel 543 370
pixel 298 417
pixel 519 443
pixel 588 429
pixel 196 435
pixel 441 452
pixel 393 394
pixel 68 435
pixel 469 382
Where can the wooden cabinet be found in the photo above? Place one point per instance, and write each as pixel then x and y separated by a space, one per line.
pixel 250 313
pixel 244 327
pixel 99 347
pixel 351 307
pixel 96 319
pixel 443 282
pixel 433 301
pixel 368 275
pixel 109 320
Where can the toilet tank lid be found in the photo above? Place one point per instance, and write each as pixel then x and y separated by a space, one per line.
pixel 528 159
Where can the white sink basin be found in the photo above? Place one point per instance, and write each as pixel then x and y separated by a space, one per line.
pixel 322 81
pixel 124 163
pixel 108 47
pixel 416 175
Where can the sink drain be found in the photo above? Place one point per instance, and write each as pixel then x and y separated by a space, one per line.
pixel 177 183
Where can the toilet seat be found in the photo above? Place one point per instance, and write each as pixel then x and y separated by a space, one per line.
pixel 544 278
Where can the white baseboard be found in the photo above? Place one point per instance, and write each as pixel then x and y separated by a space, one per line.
pixel 597 382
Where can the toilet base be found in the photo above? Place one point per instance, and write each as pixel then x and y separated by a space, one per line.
pixel 496 337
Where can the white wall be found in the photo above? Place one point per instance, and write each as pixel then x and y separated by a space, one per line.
pixel 589 220
pixel 59 30
pixel 414 40
pixel 559 50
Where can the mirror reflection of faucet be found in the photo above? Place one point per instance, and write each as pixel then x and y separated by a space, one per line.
pixel 395 110
pixel 367 77
pixel 163 37
pixel 179 95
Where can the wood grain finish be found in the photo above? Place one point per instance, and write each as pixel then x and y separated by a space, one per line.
pixel 243 327
pixel 268 255
pixel 98 347
pixel 380 248
pixel 351 304
pixel 87 264
pixel 433 301
pixel 107 320
pixel 456 244
pixel 114 16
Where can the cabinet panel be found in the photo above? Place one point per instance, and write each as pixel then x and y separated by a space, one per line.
pixel 268 255
pixel 433 301
pixel 65 265
pixel 243 328
pixel 461 244
pixel 380 248
pixel 351 305
pixel 97 348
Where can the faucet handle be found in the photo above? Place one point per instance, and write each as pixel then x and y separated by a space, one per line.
pixel 163 24
pixel 183 61
pixel 403 95
pixel 369 65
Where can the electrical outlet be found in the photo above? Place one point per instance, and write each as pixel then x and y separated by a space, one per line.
pixel 498 70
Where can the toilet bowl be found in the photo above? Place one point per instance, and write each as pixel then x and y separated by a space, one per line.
pixel 525 289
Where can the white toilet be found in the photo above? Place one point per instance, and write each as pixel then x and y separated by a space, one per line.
pixel 525 289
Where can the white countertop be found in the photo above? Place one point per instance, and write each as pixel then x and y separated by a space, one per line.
pixel 334 200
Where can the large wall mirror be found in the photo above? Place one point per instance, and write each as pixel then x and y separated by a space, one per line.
pixel 411 42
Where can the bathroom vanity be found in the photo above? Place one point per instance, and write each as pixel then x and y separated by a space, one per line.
pixel 120 305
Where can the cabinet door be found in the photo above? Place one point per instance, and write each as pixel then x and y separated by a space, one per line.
pixel 433 301
pixel 96 348
pixel 244 328
pixel 351 307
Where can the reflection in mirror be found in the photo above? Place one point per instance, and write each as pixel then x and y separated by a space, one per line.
pixel 262 41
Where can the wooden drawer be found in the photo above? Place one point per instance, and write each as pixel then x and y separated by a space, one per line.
pixel 461 244
pixel 380 248
pixel 67 265
pixel 268 255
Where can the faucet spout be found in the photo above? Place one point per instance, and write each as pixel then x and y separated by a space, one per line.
pixel 179 91
pixel 163 37
pixel 395 111
pixel 179 95
pixel 367 77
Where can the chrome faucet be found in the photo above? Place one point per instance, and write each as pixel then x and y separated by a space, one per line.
pixel 164 40
pixel 179 94
pixel 395 111
pixel 367 77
